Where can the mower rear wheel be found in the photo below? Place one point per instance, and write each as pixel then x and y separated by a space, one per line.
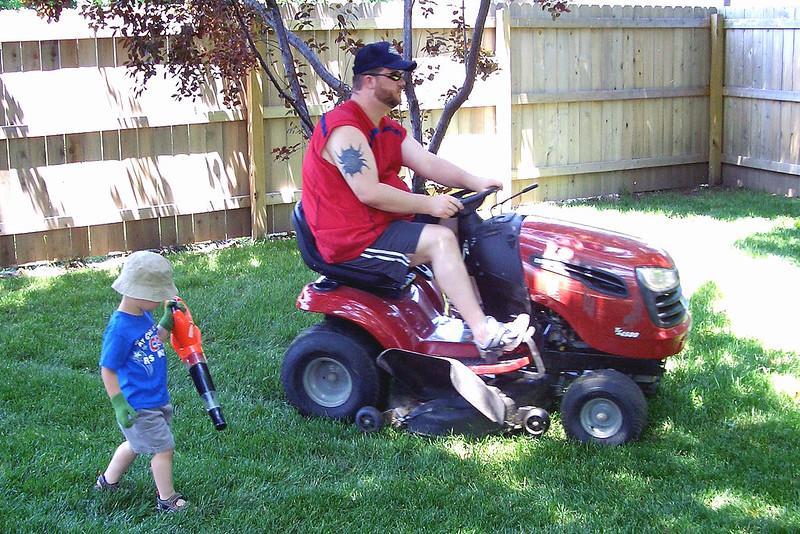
pixel 329 371
pixel 604 407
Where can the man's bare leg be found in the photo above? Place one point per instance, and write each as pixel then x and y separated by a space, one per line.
pixel 439 247
pixel 452 224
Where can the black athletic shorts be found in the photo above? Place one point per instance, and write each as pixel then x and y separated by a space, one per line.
pixel 389 253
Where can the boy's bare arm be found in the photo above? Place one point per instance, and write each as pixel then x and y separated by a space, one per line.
pixel 123 411
pixel 110 381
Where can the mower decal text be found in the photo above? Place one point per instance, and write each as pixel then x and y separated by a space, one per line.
pixel 622 333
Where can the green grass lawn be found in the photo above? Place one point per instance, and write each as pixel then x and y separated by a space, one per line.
pixel 721 452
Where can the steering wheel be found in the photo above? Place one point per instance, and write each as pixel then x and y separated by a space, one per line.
pixel 471 200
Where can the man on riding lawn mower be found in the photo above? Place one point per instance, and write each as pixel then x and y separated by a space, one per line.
pixel 361 212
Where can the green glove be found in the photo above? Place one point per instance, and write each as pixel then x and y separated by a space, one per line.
pixel 123 411
pixel 166 322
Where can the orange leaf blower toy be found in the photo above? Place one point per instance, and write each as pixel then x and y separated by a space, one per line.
pixel 186 341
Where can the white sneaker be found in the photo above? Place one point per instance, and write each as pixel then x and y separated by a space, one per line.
pixel 504 337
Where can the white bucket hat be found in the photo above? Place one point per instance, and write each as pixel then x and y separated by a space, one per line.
pixel 146 275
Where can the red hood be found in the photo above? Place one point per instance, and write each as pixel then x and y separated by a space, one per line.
pixel 586 245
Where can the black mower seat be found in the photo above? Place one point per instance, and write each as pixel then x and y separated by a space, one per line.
pixel 351 276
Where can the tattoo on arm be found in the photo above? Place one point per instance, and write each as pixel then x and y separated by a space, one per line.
pixel 351 160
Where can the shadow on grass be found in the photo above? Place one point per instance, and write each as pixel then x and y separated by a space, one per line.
pixel 720 453
pixel 720 203
pixel 782 242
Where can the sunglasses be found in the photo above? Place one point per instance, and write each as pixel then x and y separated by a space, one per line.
pixel 394 76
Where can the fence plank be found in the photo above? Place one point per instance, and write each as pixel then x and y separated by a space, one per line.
pixel 106 53
pixel 759 180
pixel 12 56
pixel 30 247
pixel 142 234
pixel 237 223
pixel 59 244
pixel 608 166
pixel 280 218
pixel 765 23
pixel 746 81
pixel 87 52
pixel 649 93
pixel 757 107
pixel 79 242
pixel 68 53
pixel 168 230
pixel 180 139
pixel 8 255
pixel 209 226
pixel 762 94
pixel 715 100
pixel 794 123
pixel 50 57
pixel 31 56
pixel 185 229
pixel 784 143
pixel 4 163
pixel 504 106
pixel 110 145
pixel 668 81
pixel 56 150
pixel 626 22
pixel 106 238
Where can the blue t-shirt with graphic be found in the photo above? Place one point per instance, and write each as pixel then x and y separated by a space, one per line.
pixel 132 349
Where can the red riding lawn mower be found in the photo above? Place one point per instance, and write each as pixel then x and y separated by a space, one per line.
pixel 607 311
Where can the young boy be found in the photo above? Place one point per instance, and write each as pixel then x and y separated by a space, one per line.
pixel 133 366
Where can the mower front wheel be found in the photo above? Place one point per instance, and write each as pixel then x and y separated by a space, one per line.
pixel 604 407
pixel 535 422
pixel 329 371
pixel 369 419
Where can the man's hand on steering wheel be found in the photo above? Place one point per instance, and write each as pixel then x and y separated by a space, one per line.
pixel 491 182
pixel 443 206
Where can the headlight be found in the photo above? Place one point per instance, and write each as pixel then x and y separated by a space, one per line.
pixel 658 279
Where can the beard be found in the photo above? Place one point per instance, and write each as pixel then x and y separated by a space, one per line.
pixel 389 98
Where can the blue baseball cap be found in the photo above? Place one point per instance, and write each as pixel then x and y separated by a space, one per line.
pixel 376 55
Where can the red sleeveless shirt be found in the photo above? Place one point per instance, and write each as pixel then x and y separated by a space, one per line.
pixel 342 225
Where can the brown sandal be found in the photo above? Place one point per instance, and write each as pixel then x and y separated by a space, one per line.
pixel 171 505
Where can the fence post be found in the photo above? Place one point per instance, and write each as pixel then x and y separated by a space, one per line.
pixel 255 151
pixel 503 104
pixel 715 104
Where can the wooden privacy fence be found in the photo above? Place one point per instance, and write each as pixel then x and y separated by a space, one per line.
pixel 602 100
pixel 87 168
pixel 605 99
pixel 761 147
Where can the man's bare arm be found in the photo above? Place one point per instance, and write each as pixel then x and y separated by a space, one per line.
pixel 349 150
pixel 440 170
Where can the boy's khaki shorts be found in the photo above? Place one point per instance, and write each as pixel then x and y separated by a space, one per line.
pixel 150 433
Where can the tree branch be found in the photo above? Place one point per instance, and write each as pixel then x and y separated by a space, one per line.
pixel 246 32
pixel 471 66
pixel 411 93
pixel 341 88
pixel 288 65
pixel 417 181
